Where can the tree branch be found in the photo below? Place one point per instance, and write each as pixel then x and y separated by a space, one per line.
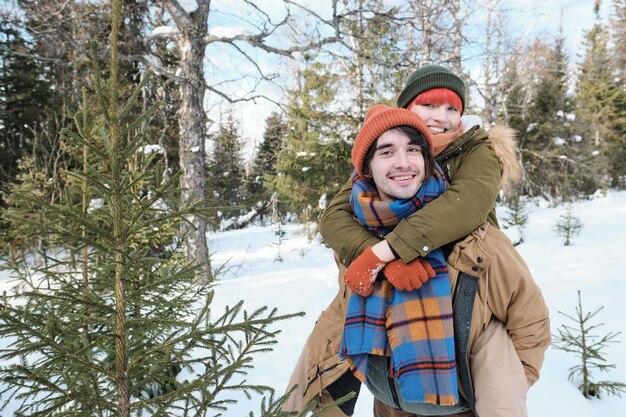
pixel 180 15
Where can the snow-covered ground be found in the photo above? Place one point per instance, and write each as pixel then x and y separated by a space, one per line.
pixel 306 281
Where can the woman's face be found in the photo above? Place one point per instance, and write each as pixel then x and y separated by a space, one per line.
pixel 440 118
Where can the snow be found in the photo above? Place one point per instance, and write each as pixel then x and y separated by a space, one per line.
pixel 95 204
pixel 189 6
pixel 306 281
pixel 470 120
pixel 227 31
pixel 304 154
pixel 323 202
pixel 234 221
pixel 164 31
pixel 148 149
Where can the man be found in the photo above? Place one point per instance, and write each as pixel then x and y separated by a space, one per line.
pixel 397 166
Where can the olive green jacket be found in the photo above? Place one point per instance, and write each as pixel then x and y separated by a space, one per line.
pixel 473 167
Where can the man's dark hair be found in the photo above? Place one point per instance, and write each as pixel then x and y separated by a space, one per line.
pixel 415 138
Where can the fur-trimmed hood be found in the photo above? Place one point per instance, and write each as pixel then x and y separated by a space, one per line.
pixel 503 140
pixel 504 143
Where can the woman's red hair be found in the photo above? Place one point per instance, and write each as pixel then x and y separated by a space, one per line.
pixel 439 96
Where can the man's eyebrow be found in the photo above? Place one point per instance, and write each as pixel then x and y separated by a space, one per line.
pixel 384 146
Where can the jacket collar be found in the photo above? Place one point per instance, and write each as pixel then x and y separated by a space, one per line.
pixel 458 145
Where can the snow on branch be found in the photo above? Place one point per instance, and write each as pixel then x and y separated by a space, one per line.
pixel 163 31
pixel 258 40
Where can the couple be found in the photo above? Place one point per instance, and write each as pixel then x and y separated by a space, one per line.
pixel 436 312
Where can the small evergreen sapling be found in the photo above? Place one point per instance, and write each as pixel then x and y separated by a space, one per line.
pixel 517 217
pixel 568 226
pixel 589 348
pixel 280 236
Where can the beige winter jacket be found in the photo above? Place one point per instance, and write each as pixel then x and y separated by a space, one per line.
pixel 506 290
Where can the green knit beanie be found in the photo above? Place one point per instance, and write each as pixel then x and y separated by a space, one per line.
pixel 429 77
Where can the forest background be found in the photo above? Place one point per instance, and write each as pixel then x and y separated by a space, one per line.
pixel 314 72
pixel 78 195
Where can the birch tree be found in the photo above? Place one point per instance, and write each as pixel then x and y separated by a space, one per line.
pixel 492 71
pixel 192 36
pixel 436 31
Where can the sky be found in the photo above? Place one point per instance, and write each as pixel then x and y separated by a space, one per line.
pixel 536 17
pixel 307 281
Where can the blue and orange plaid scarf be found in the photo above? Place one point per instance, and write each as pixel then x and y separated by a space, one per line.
pixel 414 328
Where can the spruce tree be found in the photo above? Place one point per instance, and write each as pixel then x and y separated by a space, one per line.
pixel 116 323
pixel 225 178
pixel 596 91
pixel 556 161
pixel 258 192
pixel 370 68
pixel 59 48
pixel 616 138
pixel 25 93
pixel 589 348
pixel 515 101
pixel 568 226
pixel 517 217
pixel 31 156
pixel 618 34
pixel 316 160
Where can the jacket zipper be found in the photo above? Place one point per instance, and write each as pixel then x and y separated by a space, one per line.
pixel 443 158
pixel 320 373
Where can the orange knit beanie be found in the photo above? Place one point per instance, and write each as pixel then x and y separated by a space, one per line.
pixel 378 120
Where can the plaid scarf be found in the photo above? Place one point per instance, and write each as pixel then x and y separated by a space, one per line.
pixel 413 327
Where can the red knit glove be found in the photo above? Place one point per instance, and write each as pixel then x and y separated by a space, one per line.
pixel 362 272
pixel 408 277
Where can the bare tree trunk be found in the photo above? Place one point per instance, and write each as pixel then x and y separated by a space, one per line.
pixel 438 21
pixel 457 30
pixel 354 66
pixel 493 71
pixel 425 15
pixel 193 28
pixel 488 95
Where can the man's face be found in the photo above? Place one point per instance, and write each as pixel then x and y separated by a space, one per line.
pixel 397 166
pixel 439 118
